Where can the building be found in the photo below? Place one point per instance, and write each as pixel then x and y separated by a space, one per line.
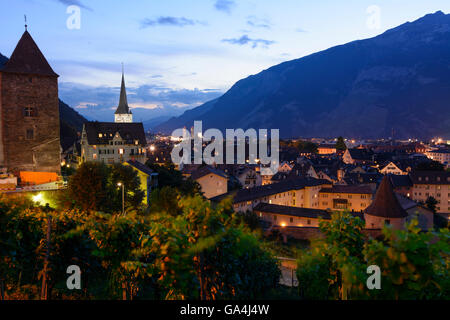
pixel 213 182
pixel 402 184
pixel 392 168
pixel 385 208
pixel 148 178
pixel 114 142
pixel 440 155
pixel 29 126
pixel 326 149
pixel 285 167
pixel 300 192
pixel 123 113
pixel 434 184
pixel 357 157
pixel 342 197
pixel 285 216
pixel 249 177
pixel 111 142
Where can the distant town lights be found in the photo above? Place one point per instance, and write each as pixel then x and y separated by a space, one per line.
pixel 152 148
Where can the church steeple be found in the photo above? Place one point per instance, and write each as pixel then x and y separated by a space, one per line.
pixel 123 112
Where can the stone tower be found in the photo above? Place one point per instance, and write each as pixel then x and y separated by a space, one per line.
pixel 29 109
pixel 123 112
pixel 385 208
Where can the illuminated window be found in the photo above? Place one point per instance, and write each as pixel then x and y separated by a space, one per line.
pixel 94 156
pixel 120 151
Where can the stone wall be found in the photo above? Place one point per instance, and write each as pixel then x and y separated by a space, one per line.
pixel 29 143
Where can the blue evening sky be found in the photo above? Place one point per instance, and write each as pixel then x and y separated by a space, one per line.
pixel 179 53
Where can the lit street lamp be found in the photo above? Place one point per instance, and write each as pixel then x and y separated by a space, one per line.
pixel 120 184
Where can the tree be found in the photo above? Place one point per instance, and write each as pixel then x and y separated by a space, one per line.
pixel 132 184
pixel 431 204
pixel 168 176
pixel 94 187
pixel 88 187
pixel 333 268
pixel 414 264
pixel 340 144
pixel 306 146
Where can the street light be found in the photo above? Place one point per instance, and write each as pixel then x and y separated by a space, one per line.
pixel 120 184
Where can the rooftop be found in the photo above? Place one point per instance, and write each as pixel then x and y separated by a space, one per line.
pixel 271 189
pixel 386 203
pixel 353 189
pixel 101 133
pixel 28 58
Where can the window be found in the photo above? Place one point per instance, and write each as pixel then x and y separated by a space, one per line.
pixel 29 112
pixel 387 222
pixel 30 134
pixel 291 220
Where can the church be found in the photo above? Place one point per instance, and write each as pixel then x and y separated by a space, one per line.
pixel 114 142
pixel 29 114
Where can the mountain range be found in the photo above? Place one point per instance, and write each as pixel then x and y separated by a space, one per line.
pixel 396 82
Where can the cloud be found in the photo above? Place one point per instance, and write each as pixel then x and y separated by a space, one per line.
pixel 147 101
pixel 300 30
pixel 258 23
pixel 245 39
pixel 170 21
pixel 74 3
pixel 225 5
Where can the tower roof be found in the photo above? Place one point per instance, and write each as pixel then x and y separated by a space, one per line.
pixel 123 102
pixel 28 58
pixel 386 204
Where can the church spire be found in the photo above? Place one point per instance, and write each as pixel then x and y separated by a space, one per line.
pixel 123 112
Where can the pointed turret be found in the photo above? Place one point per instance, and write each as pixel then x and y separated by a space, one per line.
pixel 123 102
pixel 123 112
pixel 28 58
pixel 386 204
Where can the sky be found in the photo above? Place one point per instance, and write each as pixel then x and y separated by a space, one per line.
pixel 178 54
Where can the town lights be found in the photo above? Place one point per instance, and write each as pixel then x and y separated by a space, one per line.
pixel 37 198
pixel 152 148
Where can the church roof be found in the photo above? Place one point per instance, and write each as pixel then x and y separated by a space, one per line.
pixel 28 58
pixel 123 102
pixel 101 133
pixel 386 203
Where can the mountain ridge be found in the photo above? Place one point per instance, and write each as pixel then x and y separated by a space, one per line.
pixel 398 80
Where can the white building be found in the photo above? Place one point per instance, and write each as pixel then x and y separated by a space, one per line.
pixel 114 142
